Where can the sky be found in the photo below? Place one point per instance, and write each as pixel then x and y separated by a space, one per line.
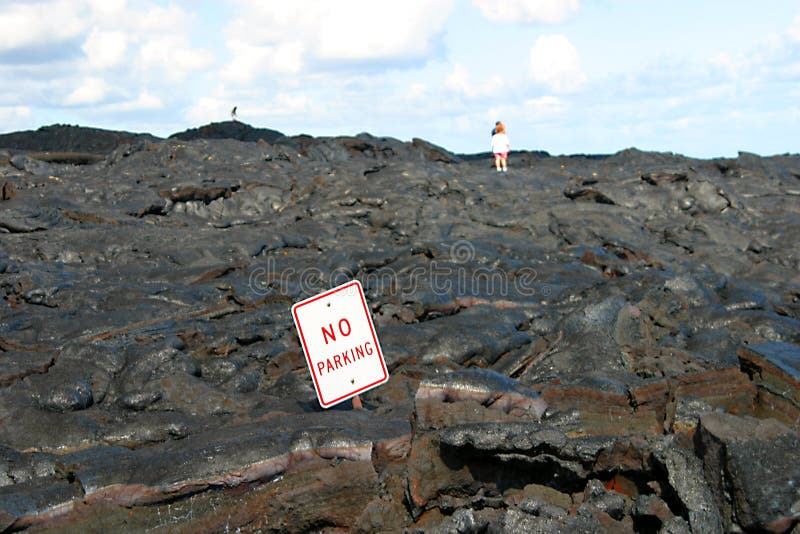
pixel 703 78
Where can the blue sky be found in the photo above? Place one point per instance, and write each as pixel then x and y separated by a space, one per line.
pixel 702 78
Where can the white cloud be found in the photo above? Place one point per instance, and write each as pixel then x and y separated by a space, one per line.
pixel 417 90
pixel 145 101
pixel 251 108
pixel 353 29
pixel 287 57
pixel 26 24
pixel 726 63
pixel 683 124
pixel 543 108
pixel 773 57
pixel 509 114
pixel 106 11
pixel 13 117
pixel 105 49
pixel 249 60
pixel 458 80
pixel 158 20
pixel 794 30
pixel 461 82
pixel 555 63
pixel 153 42
pixel 110 60
pixel 290 104
pixel 464 123
pixel 793 69
pixel 208 109
pixel 546 11
pixel 170 58
pixel 283 37
pixel 91 91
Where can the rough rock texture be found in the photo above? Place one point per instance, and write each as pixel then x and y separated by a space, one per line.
pixel 774 367
pixel 65 138
pixel 584 344
pixel 229 130
pixel 752 466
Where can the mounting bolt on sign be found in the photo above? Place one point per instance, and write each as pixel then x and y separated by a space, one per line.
pixel 340 343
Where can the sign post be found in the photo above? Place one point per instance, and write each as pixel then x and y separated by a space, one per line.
pixel 340 343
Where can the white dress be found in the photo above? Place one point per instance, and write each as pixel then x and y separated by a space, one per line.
pixel 500 143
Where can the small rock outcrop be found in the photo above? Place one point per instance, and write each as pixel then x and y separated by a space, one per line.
pixel 65 138
pixel 229 130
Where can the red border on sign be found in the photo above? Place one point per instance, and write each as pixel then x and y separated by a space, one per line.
pixel 310 364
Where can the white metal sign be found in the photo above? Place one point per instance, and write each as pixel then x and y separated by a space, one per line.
pixel 340 344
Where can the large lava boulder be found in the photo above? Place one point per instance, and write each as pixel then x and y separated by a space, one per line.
pixel 67 138
pixel 229 130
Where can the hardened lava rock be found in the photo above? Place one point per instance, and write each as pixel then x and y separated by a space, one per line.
pixel 603 343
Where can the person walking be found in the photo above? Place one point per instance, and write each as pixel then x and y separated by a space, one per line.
pixel 500 147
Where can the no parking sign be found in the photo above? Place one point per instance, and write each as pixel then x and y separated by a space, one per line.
pixel 340 343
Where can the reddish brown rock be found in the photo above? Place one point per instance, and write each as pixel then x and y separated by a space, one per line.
pixel 726 389
pixel 729 389
pixel 318 492
pixel 592 408
pixel 7 191
pixel 775 370
pixel 624 456
pixel 541 493
pixel 474 396
pixel 429 476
